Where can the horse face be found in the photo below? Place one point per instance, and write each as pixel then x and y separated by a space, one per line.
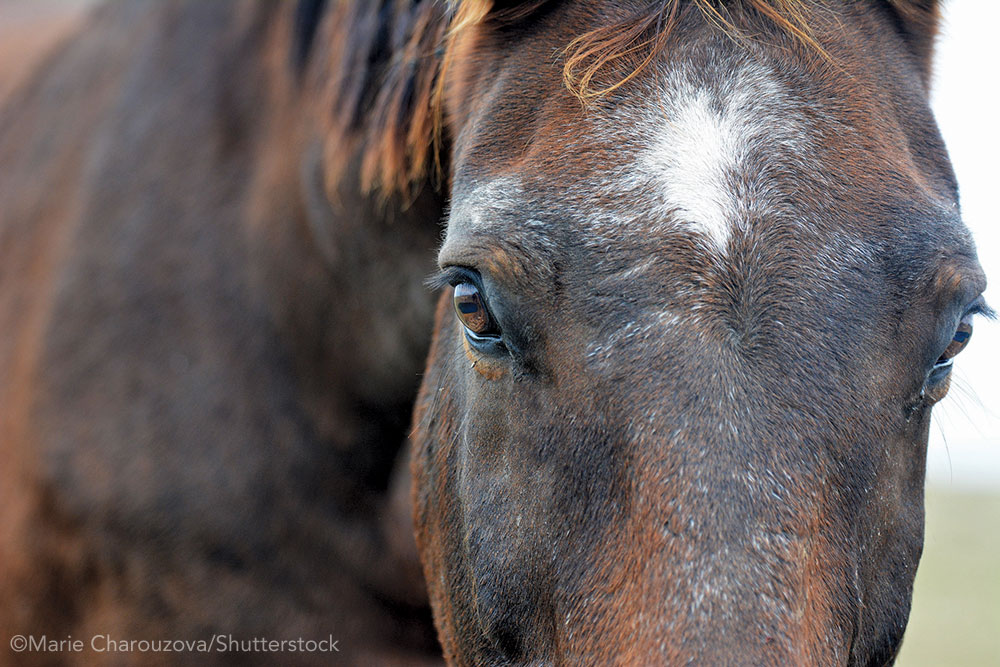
pixel 678 398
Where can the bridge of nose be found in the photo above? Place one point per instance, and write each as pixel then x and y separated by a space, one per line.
pixel 710 559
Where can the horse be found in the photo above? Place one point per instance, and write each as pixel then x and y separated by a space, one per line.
pixel 703 277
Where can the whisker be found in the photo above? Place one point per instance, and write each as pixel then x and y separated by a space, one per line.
pixel 937 418
pixel 963 385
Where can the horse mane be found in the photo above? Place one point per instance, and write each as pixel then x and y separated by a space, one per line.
pixel 389 58
pixel 636 41
pixel 308 14
pixel 376 66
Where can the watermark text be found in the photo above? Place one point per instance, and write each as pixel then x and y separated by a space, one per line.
pixel 106 643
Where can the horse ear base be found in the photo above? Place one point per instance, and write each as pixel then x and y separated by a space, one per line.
pixel 918 22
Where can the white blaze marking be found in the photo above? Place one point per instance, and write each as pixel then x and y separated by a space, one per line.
pixel 695 153
pixel 702 140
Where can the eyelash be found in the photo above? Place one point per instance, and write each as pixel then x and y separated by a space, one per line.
pixel 451 276
pixel 981 308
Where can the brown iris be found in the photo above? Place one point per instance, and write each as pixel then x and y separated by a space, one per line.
pixel 958 342
pixel 472 310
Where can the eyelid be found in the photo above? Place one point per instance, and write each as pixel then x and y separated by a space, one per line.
pixel 453 275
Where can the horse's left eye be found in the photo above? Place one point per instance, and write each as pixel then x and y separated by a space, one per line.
pixel 958 342
pixel 472 311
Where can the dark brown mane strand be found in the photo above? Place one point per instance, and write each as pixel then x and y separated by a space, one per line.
pixel 384 61
pixel 384 82
pixel 308 14
pixel 629 46
pixel 468 13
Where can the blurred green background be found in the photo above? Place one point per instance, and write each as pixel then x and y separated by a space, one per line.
pixel 956 601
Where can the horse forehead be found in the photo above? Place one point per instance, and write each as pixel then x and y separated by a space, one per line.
pixel 708 152
pixel 689 152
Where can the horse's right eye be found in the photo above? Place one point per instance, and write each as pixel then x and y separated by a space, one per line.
pixel 472 311
pixel 958 342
